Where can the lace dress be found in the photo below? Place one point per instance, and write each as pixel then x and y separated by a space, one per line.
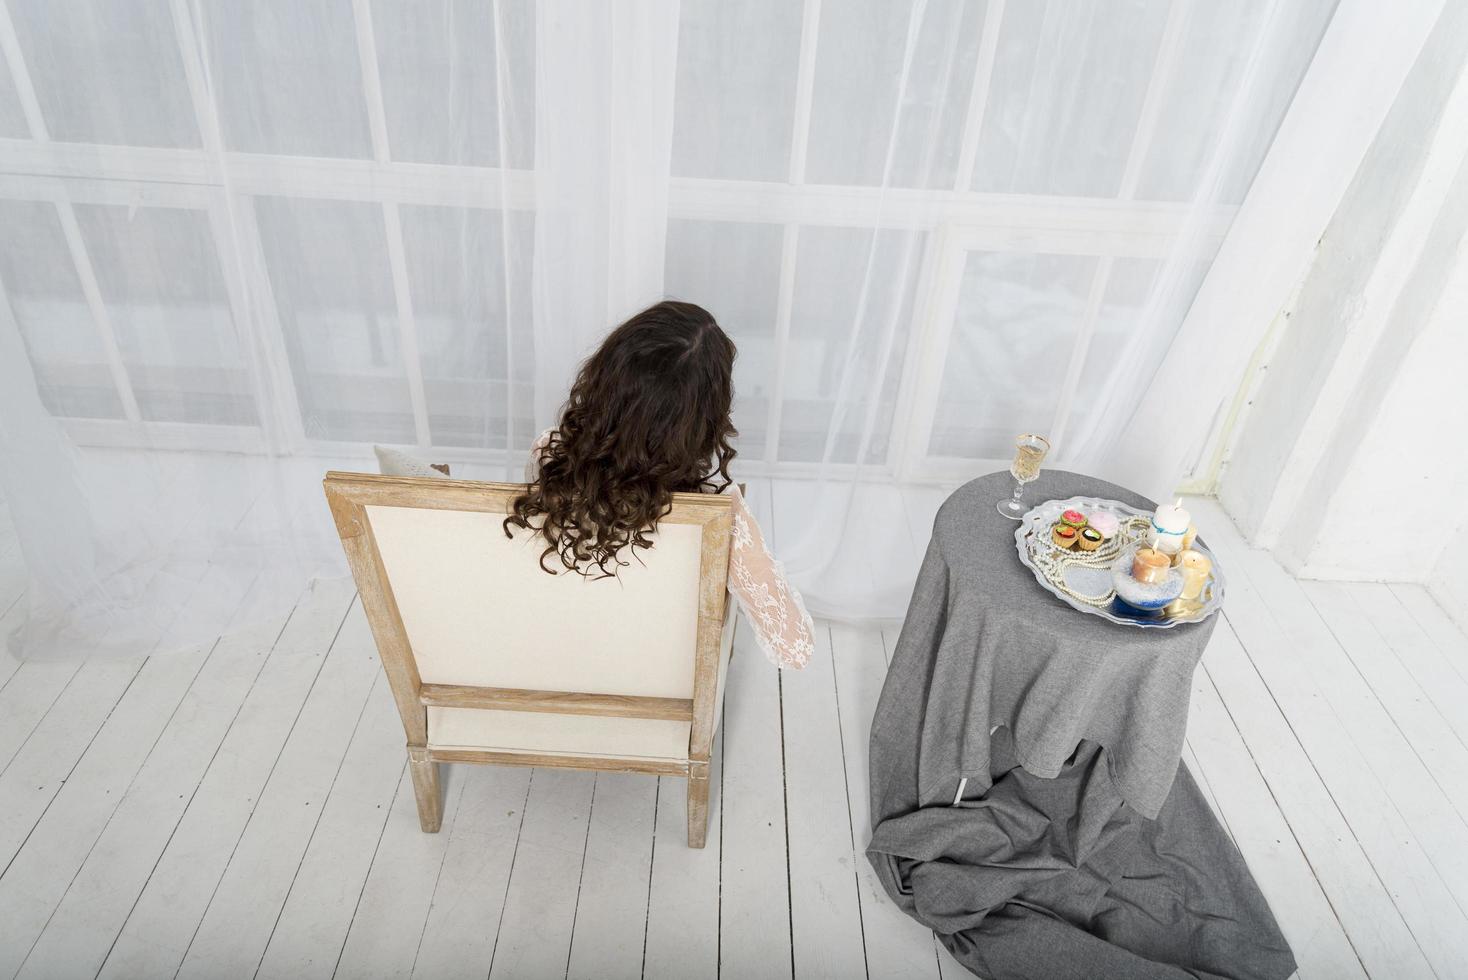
pixel 782 627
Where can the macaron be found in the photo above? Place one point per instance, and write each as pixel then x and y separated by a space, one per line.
pixel 1104 521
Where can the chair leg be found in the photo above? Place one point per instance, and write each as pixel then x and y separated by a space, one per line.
pixel 698 804
pixel 425 788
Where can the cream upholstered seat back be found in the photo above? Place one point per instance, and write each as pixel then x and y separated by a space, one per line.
pixel 479 610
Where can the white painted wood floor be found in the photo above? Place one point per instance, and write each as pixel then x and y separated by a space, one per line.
pixel 244 810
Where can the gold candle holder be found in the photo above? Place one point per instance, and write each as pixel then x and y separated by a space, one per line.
pixel 1196 568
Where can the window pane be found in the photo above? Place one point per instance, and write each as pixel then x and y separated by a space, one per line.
pixel 328 268
pixel 287 77
pixel 1066 95
pixel 735 93
pixel 733 271
pixel 1128 303
pixel 12 117
pixel 860 79
pixel 1216 45
pixel 1016 325
pixel 457 275
pixel 66 353
pixel 440 84
pixel 107 72
pixel 850 317
pixel 159 278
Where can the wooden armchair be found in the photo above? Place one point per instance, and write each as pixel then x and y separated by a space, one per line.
pixel 491 660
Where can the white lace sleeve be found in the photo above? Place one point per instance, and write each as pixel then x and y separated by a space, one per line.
pixel 532 464
pixel 781 625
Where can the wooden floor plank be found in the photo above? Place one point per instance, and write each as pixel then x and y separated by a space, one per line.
pixel 242 913
pixel 1353 612
pixel 754 914
pixel 825 911
pixel 160 924
pixel 1449 638
pixel 41 766
pixel 611 906
pixel 97 902
pixel 683 901
pixel 313 922
pixel 1415 649
pixel 897 945
pixel 28 695
pixel 387 926
pixel 540 906
pixel 469 896
pixel 1264 836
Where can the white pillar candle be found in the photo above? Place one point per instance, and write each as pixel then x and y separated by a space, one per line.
pixel 1170 524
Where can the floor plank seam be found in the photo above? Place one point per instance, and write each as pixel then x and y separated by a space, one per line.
pixel 398 788
pixel 1285 816
pixel 1442 655
pixel 325 802
pixel 785 808
pixel 453 822
pixel 510 876
pixel 850 824
pixel 1458 664
pixel 41 718
pixel 581 875
pixel 652 860
pixel 255 803
pixel 1391 715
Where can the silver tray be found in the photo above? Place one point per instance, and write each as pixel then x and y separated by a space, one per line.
pixel 1086 575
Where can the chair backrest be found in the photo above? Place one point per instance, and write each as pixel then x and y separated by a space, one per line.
pixel 464 616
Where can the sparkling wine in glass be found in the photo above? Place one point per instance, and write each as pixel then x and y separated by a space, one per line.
pixel 1029 453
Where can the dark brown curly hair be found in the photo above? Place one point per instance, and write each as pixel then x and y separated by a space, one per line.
pixel 648 416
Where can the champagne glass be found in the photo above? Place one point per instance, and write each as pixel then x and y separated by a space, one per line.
pixel 1029 452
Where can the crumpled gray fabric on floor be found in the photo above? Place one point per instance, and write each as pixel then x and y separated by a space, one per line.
pixel 1060 878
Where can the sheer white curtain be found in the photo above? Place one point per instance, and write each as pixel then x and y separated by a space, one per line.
pixel 240 243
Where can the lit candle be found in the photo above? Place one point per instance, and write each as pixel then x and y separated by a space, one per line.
pixel 1196 569
pixel 1170 525
pixel 1150 566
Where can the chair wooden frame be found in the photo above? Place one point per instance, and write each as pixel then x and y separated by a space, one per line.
pixel 349 494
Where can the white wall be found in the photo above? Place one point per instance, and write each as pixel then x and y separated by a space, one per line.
pixel 1359 413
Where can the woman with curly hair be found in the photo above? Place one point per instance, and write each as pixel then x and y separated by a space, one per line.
pixel 647 417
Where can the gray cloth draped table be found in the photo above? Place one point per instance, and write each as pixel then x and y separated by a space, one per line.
pixel 1081 847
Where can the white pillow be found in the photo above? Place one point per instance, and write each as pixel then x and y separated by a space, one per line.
pixel 395 462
